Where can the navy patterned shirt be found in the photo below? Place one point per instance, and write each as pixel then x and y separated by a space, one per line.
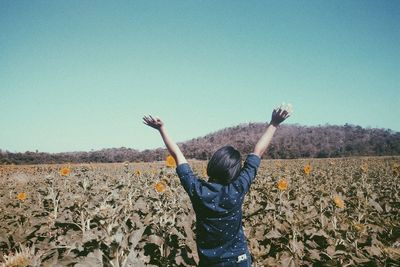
pixel 218 208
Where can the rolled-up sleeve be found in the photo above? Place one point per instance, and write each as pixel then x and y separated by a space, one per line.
pixel 248 172
pixel 187 178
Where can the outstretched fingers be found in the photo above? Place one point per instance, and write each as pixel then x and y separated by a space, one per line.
pixel 148 120
pixel 151 121
pixel 287 115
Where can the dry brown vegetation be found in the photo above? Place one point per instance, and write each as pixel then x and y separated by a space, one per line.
pixel 330 212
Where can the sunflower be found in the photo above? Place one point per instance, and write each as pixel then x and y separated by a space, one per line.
pixel 17 260
pixel 21 196
pixel 170 162
pixel 23 257
pixel 364 167
pixel 307 169
pixel 65 171
pixel 338 201
pixel 160 186
pixel 396 170
pixel 282 185
pixel 359 227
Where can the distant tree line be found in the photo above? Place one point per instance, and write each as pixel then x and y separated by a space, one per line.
pixel 290 141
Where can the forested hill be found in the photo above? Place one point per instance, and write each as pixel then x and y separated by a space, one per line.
pixel 290 141
pixel 295 141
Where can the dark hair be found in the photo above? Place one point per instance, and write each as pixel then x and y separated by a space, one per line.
pixel 224 166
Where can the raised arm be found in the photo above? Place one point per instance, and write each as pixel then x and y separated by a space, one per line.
pixel 172 147
pixel 278 116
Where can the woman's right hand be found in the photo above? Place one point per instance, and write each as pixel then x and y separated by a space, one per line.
pixel 155 123
pixel 280 114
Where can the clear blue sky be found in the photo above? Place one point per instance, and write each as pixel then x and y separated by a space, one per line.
pixel 79 75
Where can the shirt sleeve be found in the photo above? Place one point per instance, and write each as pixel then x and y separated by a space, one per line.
pixel 187 178
pixel 248 173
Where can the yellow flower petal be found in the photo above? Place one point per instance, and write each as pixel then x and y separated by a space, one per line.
pixel 160 186
pixel 307 169
pixel 21 196
pixel 65 171
pixel 338 201
pixel 170 162
pixel 282 185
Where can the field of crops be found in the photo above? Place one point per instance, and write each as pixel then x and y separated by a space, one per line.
pixel 330 212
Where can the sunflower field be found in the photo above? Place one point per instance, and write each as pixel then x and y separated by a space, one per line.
pixel 305 212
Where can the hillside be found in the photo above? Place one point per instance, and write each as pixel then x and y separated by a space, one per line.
pixel 290 141
pixel 295 141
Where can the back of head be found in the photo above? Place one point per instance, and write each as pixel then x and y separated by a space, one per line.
pixel 224 166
